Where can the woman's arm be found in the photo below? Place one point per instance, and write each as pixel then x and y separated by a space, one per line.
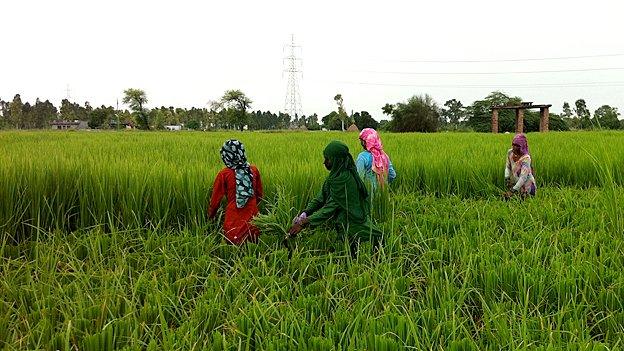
pixel 324 213
pixel 258 191
pixel 361 164
pixel 507 167
pixel 316 203
pixel 318 210
pixel 218 190
pixel 391 172
pixel 525 170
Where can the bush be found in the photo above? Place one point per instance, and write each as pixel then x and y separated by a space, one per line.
pixel 419 114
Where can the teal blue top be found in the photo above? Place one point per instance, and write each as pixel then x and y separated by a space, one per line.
pixel 364 166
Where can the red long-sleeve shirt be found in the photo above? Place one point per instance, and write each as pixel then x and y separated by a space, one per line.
pixel 237 224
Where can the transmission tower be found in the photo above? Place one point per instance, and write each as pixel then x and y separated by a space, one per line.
pixel 67 93
pixel 293 67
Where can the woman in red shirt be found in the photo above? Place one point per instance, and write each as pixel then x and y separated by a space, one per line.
pixel 240 183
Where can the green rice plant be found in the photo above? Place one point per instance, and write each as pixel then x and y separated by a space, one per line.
pixel 278 214
pixel 80 180
pixel 107 246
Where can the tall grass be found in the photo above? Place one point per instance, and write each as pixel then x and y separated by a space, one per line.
pixel 120 254
pixel 455 273
pixel 162 180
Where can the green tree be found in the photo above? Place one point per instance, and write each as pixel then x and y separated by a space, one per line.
pixel 556 123
pixel 42 114
pixel 312 122
pixel 195 118
pixel 419 114
pixel 26 121
pixel 16 113
pixel 237 103
pixel 568 116
pixel 283 120
pixel 384 124
pixel 567 112
pixel 607 117
pixel 332 121
pixel 101 116
pixel 194 124
pixel 125 117
pixel 136 100
pixel 172 115
pixel 4 114
pixel 158 118
pixel 342 114
pixel 268 120
pixel 480 113
pixel 259 120
pixel 454 112
pixel 86 114
pixel 583 114
pixel 72 111
pixel 67 111
pixel 387 109
pixel 365 120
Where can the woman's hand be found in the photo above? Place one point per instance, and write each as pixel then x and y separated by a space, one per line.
pixel 508 183
pixel 509 194
pixel 295 229
pixel 212 214
pixel 299 218
pixel 298 226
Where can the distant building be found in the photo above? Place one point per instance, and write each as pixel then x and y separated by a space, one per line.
pixel 67 125
pixel 296 126
pixel 174 127
pixel 122 125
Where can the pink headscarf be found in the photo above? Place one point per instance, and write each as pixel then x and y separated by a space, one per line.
pixel 381 162
pixel 521 140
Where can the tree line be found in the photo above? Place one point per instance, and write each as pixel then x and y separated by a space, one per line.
pixel 419 113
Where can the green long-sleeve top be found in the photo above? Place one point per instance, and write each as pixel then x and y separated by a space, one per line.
pixel 345 205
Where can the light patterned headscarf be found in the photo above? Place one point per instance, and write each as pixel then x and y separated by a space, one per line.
pixel 381 162
pixel 233 156
pixel 521 140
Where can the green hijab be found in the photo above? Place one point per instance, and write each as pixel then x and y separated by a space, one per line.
pixel 343 180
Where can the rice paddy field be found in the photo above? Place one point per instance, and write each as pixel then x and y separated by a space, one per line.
pixel 105 245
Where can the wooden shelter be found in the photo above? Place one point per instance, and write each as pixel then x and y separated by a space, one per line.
pixel 543 127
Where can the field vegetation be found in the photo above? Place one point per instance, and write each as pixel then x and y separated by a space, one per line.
pixel 105 245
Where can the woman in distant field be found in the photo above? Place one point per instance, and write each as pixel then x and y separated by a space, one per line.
pixel 343 200
pixel 518 170
pixel 240 183
pixel 373 164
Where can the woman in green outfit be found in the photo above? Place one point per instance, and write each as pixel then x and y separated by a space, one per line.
pixel 343 199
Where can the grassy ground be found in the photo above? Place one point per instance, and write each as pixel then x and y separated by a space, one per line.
pixel 457 270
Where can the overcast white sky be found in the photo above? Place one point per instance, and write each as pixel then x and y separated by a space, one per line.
pixel 186 53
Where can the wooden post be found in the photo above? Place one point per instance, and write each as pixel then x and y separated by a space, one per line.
pixel 519 120
pixel 494 120
pixel 543 119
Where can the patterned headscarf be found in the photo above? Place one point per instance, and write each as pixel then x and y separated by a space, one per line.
pixel 521 140
pixel 233 156
pixel 381 162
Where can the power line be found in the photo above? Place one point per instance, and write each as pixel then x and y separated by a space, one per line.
pixel 493 73
pixel 545 85
pixel 509 60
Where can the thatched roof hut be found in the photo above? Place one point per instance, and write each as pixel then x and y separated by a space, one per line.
pixel 353 128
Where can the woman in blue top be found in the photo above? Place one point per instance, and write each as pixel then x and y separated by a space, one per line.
pixel 373 165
